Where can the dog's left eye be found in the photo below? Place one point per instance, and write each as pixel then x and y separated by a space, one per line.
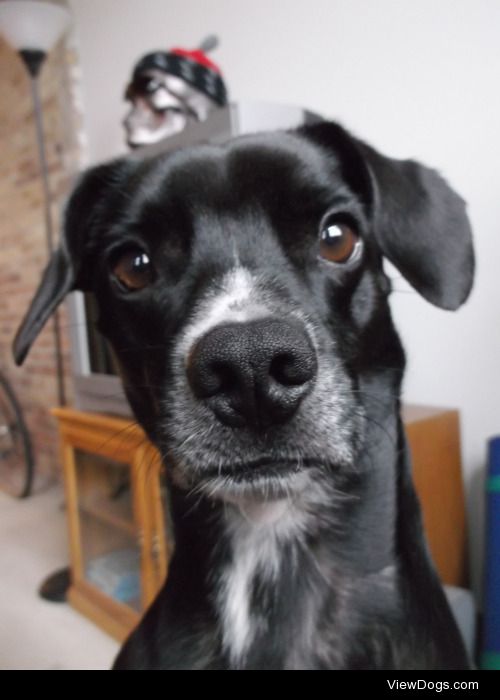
pixel 133 270
pixel 339 242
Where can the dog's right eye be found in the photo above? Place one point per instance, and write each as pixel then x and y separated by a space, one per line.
pixel 133 270
pixel 339 242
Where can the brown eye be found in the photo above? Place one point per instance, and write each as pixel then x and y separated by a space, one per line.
pixel 339 243
pixel 133 270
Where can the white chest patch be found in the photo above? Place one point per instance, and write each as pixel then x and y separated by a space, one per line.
pixel 257 535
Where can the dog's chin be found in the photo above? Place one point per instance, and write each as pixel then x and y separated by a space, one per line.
pixel 254 482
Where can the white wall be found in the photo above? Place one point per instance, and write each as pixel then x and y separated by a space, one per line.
pixel 416 78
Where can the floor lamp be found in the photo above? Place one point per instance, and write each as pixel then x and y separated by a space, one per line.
pixel 33 28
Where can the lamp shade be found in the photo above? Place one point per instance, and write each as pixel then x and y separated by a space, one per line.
pixel 32 26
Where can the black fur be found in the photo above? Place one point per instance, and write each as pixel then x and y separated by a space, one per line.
pixel 351 586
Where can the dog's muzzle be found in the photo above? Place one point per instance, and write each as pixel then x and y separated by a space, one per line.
pixel 253 374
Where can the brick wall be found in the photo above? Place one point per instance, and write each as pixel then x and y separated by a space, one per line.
pixel 23 250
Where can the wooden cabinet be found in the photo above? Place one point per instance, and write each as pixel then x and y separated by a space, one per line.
pixel 434 439
pixel 119 545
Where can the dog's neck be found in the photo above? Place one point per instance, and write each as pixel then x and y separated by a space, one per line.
pixel 245 561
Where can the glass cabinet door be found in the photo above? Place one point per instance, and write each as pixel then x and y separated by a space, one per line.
pixel 108 528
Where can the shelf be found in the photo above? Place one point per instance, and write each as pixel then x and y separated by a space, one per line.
pixel 102 509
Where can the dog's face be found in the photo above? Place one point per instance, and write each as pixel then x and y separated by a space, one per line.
pixel 242 290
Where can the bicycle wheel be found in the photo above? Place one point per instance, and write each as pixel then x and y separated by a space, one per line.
pixel 16 454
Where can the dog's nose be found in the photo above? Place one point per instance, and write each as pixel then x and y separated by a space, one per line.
pixel 254 373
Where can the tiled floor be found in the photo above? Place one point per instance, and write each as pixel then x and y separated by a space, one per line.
pixel 35 634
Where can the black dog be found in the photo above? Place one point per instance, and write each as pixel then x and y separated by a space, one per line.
pixel 241 287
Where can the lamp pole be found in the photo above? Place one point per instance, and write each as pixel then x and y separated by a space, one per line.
pixel 33 61
pixel 32 28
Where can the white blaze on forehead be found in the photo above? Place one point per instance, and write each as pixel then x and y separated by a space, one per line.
pixel 236 301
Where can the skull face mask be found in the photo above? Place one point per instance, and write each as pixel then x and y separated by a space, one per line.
pixel 170 89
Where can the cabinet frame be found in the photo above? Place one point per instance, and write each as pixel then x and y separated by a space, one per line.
pixel 119 440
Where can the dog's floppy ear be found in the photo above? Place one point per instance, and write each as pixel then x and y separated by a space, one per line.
pixel 421 226
pixel 57 281
pixel 63 272
pixel 420 223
